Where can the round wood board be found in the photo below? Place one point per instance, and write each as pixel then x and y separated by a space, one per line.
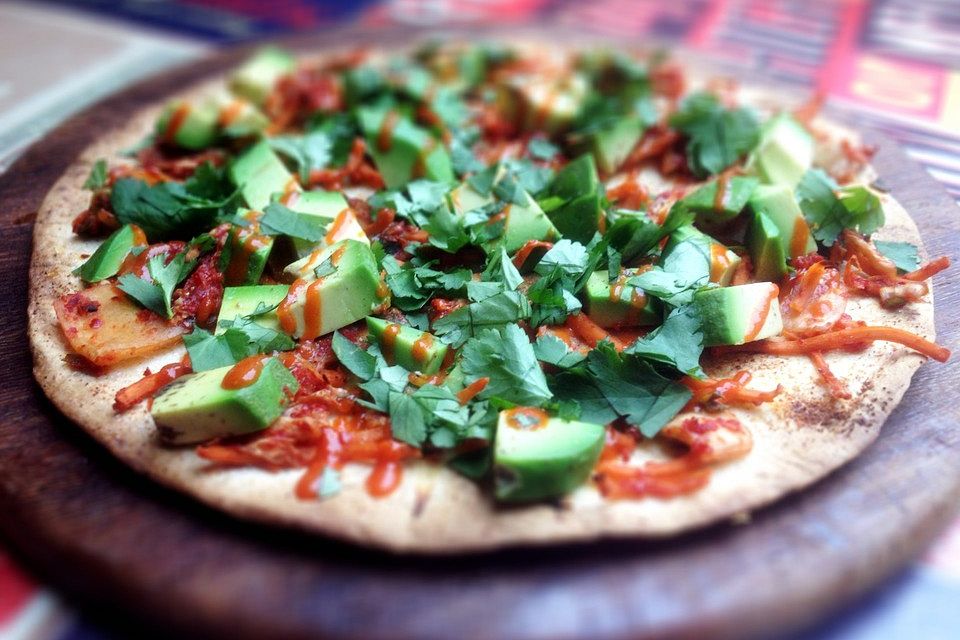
pixel 110 537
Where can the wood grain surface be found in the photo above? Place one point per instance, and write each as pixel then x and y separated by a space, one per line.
pixel 113 539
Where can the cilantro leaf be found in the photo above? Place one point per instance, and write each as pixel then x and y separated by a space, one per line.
pixel 412 285
pixel 506 357
pixel 566 258
pixel 635 236
pixel 500 309
pixel 684 270
pixel 106 260
pixel 157 294
pixel 716 137
pixel 171 209
pixel 542 149
pixel 678 342
pixel 278 219
pixel 208 351
pixel 500 268
pixel 634 390
pixel 98 176
pixel 407 420
pixel 552 350
pixel 260 339
pixel 903 254
pixel 356 360
pixel 309 151
pixel 830 209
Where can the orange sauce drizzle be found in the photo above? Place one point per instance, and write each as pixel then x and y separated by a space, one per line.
pixel 388 342
pixel 337 225
pixel 421 348
pixel 721 195
pixel 526 418
pixel 312 310
pixel 244 373
pixel 799 238
pixel 385 135
pixel 759 317
pixel 719 262
pixel 230 113
pixel 288 321
pixel 176 121
pixel 470 391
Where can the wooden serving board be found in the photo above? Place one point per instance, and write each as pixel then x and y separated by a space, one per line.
pixel 114 539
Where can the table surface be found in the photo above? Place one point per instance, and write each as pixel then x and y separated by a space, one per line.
pixel 897 63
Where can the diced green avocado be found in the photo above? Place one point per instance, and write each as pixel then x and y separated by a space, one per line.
pixel 109 256
pixel 536 457
pixel 611 145
pixel 578 184
pixel 765 244
pixel 331 207
pixel 336 286
pixel 245 253
pixel 619 305
pixel 259 173
pixel 196 407
pixel 784 153
pixel 189 126
pixel 549 105
pixel 779 204
pixel 523 222
pixel 245 301
pixel 405 151
pixel 344 226
pixel 736 194
pixel 739 314
pixel 723 261
pixel 408 347
pixel 255 79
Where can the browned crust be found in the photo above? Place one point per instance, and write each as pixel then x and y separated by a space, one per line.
pixel 799 438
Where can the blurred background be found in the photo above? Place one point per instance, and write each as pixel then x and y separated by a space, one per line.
pixel 894 63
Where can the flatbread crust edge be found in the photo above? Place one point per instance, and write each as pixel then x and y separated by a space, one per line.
pixel 798 438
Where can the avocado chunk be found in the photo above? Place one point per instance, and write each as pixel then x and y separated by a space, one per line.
pixel 259 173
pixel 344 226
pixel 522 222
pixel 410 348
pixel 109 256
pixel 245 252
pixel 766 246
pixel 784 153
pixel 402 150
pixel 199 125
pixel 711 209
pixel 723 261
pixel 578 185
pixel 189 126
pixel 245 301
pixel 778 203
pixel 336 286
pixel 257 76
pixel 739 314
pixel 326 205
pixel 538 104
pixel 197 407
pixel 617 304
pixel 611 145
pixel 536 457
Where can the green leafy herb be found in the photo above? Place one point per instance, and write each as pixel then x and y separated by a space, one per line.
pixel 678 343
pixel 98 176
pixel 903 254
pixel 156 295
pixel 208 351
pixel 278 219
pixel 552 350
pixel 109 256
pixel 684 270
pixel 495 311
pixel 412 285
pixel 830 209
pixel 506 357
pixel 717 137
pixel 542 149
pixel 359 362
pixel 309 151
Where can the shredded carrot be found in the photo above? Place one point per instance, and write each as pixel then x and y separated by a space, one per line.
pixel 590 332
pixel 846 338
pixel 928 270
pixel 150 384
pixel 836 386
pixel 467 394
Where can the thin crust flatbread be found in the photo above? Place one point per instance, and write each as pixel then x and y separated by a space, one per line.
pixel 799 437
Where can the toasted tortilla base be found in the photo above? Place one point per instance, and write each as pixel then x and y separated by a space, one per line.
pixel 798 438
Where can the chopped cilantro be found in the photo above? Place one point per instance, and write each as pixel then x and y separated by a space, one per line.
pixel 506 357
pixel 552 350
pixel 903 254
pixel 156 295
pixel 716 136
pixel 359 362
pixel 678 343
pixel 309 151
pixel 542 149
pixel 208 351
pixel 98 176
pixel 280 220
pixel 497 310
pixel 830 209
